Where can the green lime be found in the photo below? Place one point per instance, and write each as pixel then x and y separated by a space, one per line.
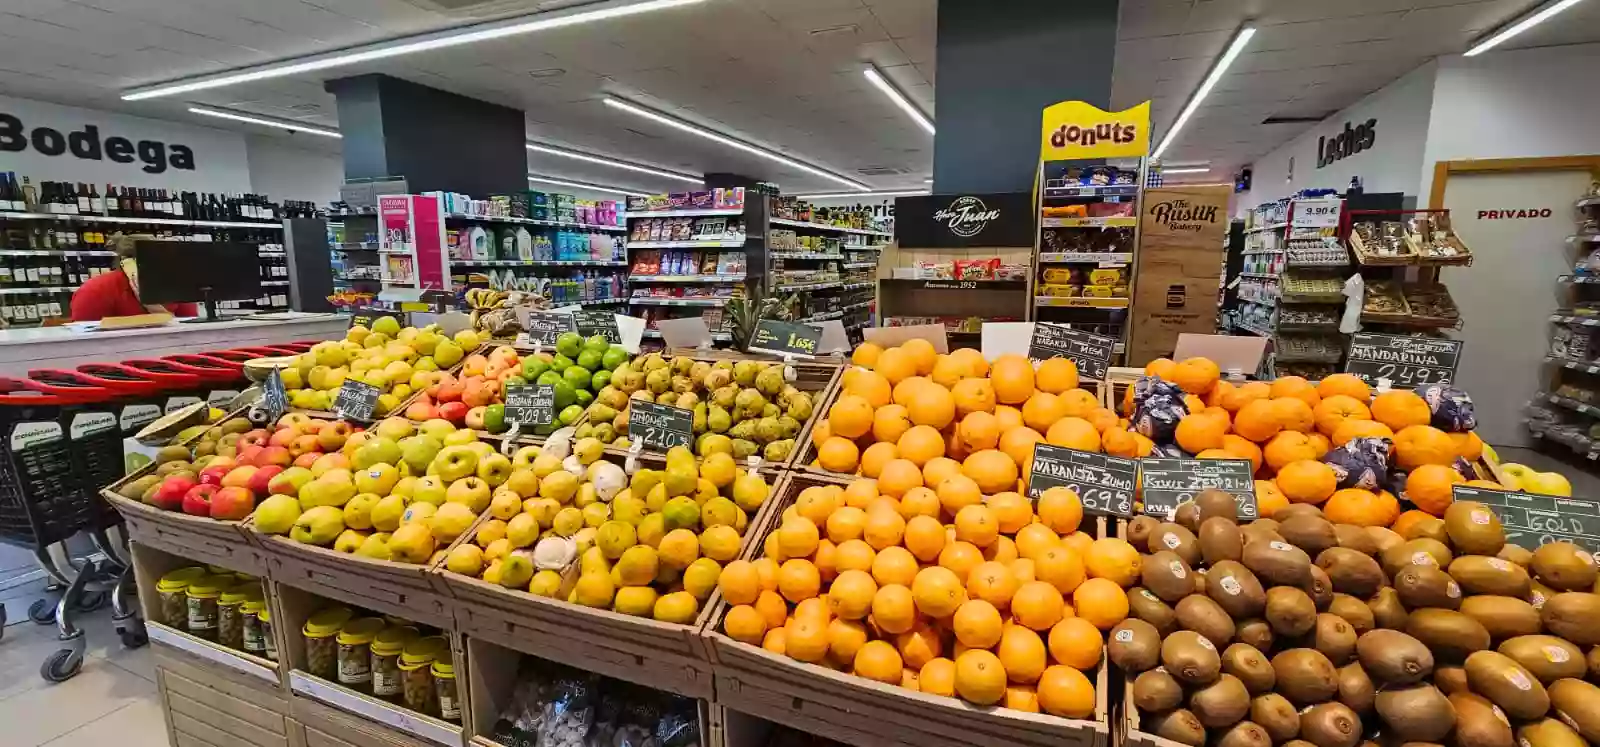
pixel 597 343
pixel 600 380
pixel 584 396
pixel 570 414
pixel 560 363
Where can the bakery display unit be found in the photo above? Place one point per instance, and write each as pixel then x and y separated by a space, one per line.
pixel 829 258
pixel 568 250
pixel 1086 245
pixel 1567 411
pixel 1291 283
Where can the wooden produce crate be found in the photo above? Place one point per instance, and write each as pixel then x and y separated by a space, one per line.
pixel 149 565
pixel 866 713
pixel 401 589
pixel 665 656
pixel 318 725
pixel 207 706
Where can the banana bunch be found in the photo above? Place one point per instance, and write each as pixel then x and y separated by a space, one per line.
pixel 495 311
pixel 484 299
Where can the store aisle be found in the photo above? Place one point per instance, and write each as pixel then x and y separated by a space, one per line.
pixel 113 700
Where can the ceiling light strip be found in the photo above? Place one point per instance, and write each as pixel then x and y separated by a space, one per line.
pixel 410 45
pixel 660 118
pixel 882 83
pixel 851 195
pixel 585 185
pixel 578 156
pixel 1516 27
pixel 1241 38
pixel 273 123
pixel 1186 170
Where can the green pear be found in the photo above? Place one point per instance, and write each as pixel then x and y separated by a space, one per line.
pixel 277 514
pixel 318 526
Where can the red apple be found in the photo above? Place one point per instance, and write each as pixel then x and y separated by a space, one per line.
pixel 232 503
pixel 305 460
pixel 262 479
pixel 169 497
pixel 475 417
pixel 249 454
pixel 277 455
pixel 214 475
pixel 304 445
pixel 283 437
pixel 238 477
pixel 450 391
pixel 197 502
pixel 455 412
pixel 257 437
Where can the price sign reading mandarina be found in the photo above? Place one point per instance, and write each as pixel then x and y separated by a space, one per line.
pixel 1531 520
pixel 356 400
pixel 274 400
pixel 660 427
pixel 787 339
pixel 1091 352
pixel 531 405
pixel 1104 483
pixel 1404 361
pixel 545 327
pixel 1168 483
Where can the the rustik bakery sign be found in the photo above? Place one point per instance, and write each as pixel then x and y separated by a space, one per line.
pixel 1075 130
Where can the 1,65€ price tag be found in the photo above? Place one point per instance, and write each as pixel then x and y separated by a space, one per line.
pixel 787 339
pixel 660 427
pixel 531 405
pixel 1403 361
pixel 356 400
pixel 1091 352
pixel 1167 484
pixel 1103 482
pixel 274 400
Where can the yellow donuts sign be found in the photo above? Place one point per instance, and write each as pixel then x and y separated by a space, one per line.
pixel 1075 130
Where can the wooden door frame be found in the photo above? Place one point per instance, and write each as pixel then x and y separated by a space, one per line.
pixel 1443 169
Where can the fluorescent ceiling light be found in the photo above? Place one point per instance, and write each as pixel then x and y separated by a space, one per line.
pixel 1187 170
pixel 898 98
pixel 274 123
pixel 410 45
pixel 585 185
pixel 637 110
pixel 1235 47
pixel 927 181
pixel 886 193
pixel 564 153
pixel 1516 27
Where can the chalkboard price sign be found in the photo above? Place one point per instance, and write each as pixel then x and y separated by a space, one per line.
pixel 1091 352
pixel 591 323
pixel 544 327
pixel 1104 483
pixel 356 400
pixel 787 339
pixel 274 400
pixel 1533 520
pixel 660 427
pixel 365 317
pixel 1406 362
pixel 1169 483
pixel 531 405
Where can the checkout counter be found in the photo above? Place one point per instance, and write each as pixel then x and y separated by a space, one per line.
pixel 71 345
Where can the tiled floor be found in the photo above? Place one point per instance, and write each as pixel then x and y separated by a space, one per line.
pixel 112 700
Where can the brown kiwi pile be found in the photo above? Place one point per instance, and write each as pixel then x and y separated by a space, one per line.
pixel 1294 630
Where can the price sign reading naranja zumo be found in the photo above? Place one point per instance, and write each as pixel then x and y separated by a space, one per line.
pixel 787 339
pixel 1403 361
pixel 356 400
pixel 1532 520
pixel 1091 352
pixel 531 405
pixel 1104 483
pixel 659 427
pixel 1167 484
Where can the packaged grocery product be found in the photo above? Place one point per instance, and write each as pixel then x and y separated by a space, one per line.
pixel 1097 291
pixel 1011 272
pixel 251 639
pixel 355 652
pixel 1057 275
pixel 416 663
pixel 1105 276
pixel 444 688
pixel 322 647
pixel 387 647
pixel 173 589
pixel 230 613
pixel 936 270
pixel 204 593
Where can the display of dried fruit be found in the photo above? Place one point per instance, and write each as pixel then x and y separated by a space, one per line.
pixel 1317 251
pixel 1384 297
pixel 1433 237
pixel 1431 301
pixel 1308 348
pixel 1307 316
pixel 1383 239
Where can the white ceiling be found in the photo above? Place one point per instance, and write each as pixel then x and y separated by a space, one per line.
pixel 780 73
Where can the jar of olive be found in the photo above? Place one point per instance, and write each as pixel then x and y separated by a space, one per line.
pixel 173 589
pixel 355 652
pixel 251 640
pixel 322 647
pixel 386 650
pixel 204 594
pixel 444 687
pixel 230 613
pixel 271 644
pixel 416 679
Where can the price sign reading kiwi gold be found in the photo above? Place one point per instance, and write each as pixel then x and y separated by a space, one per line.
pixel 787 339
pixel 1103 482
pixel 659 427
pixel 1089 351
pixel 1533 520
pixel 1167 484
pixel 1406 362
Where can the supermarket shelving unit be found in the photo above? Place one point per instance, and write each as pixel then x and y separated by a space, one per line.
pixel 1290 286
pixel 1099 314
pixel 1567 411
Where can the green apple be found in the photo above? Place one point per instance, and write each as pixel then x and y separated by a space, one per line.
pixel 463 436
pixel 524 457
pixel 380 450
pixel 472 491
pixel 447 353
pixel 394 429
pixel 379 478
pixel 318 526
pixel 482 449
pixel 430 489
pixel 494 468
pixel 386 513
pixel 455 462
pixel 438 428
pixel 405 487
pixel 277 514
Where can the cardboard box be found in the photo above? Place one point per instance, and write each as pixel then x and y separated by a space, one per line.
pixel 1181 233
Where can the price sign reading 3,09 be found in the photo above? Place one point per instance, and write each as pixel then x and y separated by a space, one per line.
pixel 1104 483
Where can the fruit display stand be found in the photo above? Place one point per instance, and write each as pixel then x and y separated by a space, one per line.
pixel 859 711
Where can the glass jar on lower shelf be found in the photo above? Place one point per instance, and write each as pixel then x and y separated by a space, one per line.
pixel 416 676
pixel 321 633
pixel 230 613
pixel 204 595
pixel 173 588
pixel 355 652
pixel 444 688
pixel 386 650
pixel 253 639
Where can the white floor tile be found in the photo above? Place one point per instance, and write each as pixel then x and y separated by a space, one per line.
pixel 138 724
pixel 48 711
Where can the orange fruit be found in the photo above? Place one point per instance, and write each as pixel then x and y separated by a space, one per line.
pixel 1348 385
pixel 1022 653
pixel 938 591
pixel 1064 691
pixel 960 557
pixel 767 569
pixel 1236 398
pixel 739 582
pixel 866 354
pixel 744 624
pixel 838 454
pixel 977 524
pixel 1399 408
pixel 1468 445
pixel 978 431
pixel 1321 444
pixel 1351 429
pixel 1056 375
pixel 1101 602
pixel 1288 446
pixel 1060 509
pixel 1219 392
pixel 1002 551
pixel 1199 432
pixel 1296 387
pixel 973 395
pixel 889 423
pixel 772 607
pixel 973 359
pixel 850 595
pixel 844 524
pixel 1336 409
pixel 1294 414
pixel 1257 421
pixel 1115 560
pixel 1431 487
pixel 820 433
pixel 894 565
pixel 919 645
pixel 1362 508
pixel 948 370
pixel 1041 411
pixel 897 477
pixel 958 492
pixel 877 660
pixel 826 559
pixel 1011 511
pixel 877 455
pixel 854 555
pixel 797 537
pixel 1017 443
pixel 977 624
pixel 1102 419
pixel 921 444
pixel 922 353
pixel 938 677
pixel 1160 367
pixel 870 386
pixel 1077 643
pixel 1196 375
pixel 908 389
pixel 1022 568
pixel 1009 417
pixel 774 640
pixel 1060 567
pixel 1021 698
pixel 1078 403
pixel 894 609
pixel 938 468
pixel 1242 448
pixel 920 501
pixel 1080 542
pixel 850 416
pixel 815 608
pixel 980 677
pixel 883 529
pixel 992 470
pixel 993 582
pixel 895 365
pixel 1416 445
pixel 860 493
pixel 1012 376
pixel 845 638
pixel 1306 481
pixel 1034 539
pixel 1214 454
pixel 816 503
pixel 1269 498
pixel 1037 605
pixel 1120 442
pixel 798 580
pixel 933 406
pixel 1074 433
pixel 806 638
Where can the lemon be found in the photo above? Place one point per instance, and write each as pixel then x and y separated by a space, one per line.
pixel 567 522
pixel 656 499
pixel 545 465
pixel 681 513
pixel 700 578
pixel 594 590
pixel 559 485
pixel 521 531
pixel 719 469
pixel 627 508
pixel 651 529
pixel 678 607
pixel 596 514
pixel 749 491
pixel 545 584
pixel 639 601
pixel 718 512
pixel 720 543
pixel 494 551
pixel 615 537
pixel 451 520
pixel 491 530
pixel 543 510
pixel 638 565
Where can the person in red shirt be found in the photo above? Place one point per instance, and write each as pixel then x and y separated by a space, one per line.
pixel 116 293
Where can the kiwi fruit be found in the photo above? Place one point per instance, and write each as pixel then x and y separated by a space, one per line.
pixel 1330 725
pixel 1354 611
pixel 1515 554
pixel 1277 715
pixel 1237 589
pixel 133 490
pixel 1415 713
pixel 1290 611
pixel 1578 704
pixel 1386 609
pixel 1278 563
pixel 1351 571
pixel 1549 733
pixel 1155 691
pixel 1254 632
pixel 1334 638
pixel 1260 530
pixel 1546 657
pixel 1355 688
pixel 1244 734
pixel 1478 723
pixel 1503 617
pixel 1538 593
pixel 1573 615
pixel 1178 539
pixel 1391 657
pixel 1451 680
pixel 1564 567
pixel 1428 528
pixel 1204 616
pixel 1451 635
pixel 1167 576
pixel 1320 587
pixel 1220 703
pixel 1593 661
pixel 1178 725
pixel 1426 586
pixel 1473 528
pixel 1414 552
pixel 1145 605
pixel 1190 658
pixel 1505 682
pixel 1220 539
pixel 1216 504
pixel 1200 581
pixel 1352 537
pixel 1134 645
pixel 1187 516
pixel 1384 538
pixel 1310 533
pixel 1139 530
pixel 1296 509
pixel 1250 666
pixel 1305 676
pixel 1479 574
